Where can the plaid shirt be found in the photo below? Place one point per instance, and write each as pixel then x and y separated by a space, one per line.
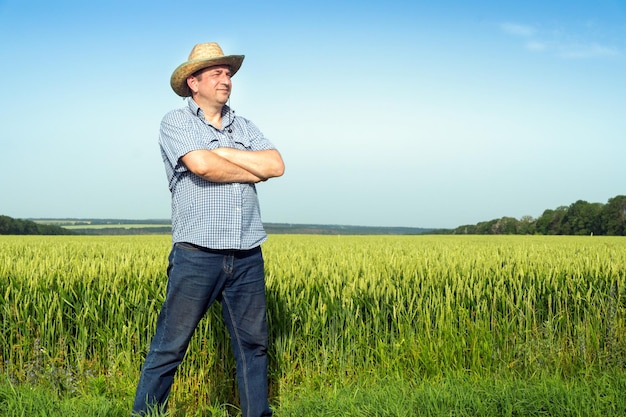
pixel 208 214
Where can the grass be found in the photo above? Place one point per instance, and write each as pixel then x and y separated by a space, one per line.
pixel 463 396
pixel 363 326
pixel 599 396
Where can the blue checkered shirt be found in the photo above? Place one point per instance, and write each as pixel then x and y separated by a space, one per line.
pixel 208 214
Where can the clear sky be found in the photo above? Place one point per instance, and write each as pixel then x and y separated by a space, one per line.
pixel 387 113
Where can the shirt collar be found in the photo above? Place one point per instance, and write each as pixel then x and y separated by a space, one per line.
pixel 227 119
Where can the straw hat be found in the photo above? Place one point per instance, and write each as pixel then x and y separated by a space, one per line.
pixel 203 55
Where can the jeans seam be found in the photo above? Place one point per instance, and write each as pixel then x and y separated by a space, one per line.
pixel 244 364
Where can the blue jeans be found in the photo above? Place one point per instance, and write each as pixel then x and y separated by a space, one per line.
pixel 196 278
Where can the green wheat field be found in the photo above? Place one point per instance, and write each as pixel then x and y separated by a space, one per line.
pixel 359 326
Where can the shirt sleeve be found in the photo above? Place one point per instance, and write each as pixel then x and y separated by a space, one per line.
pixel 176 139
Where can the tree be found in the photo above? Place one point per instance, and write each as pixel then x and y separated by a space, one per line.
pixel 582 218
pixel 11 226
pixel 526 226
pixel 550 221
pixel 505 226
pixel 614 216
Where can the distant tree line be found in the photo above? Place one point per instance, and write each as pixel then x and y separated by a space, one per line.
pixel 11 226
pixel 119 231
pixel 580 218
pixel 322 229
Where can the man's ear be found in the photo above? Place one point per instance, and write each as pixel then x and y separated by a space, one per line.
pixel 192 83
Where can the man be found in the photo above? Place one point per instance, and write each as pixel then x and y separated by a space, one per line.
pixel 212 161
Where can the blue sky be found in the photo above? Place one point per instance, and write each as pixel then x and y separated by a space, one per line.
pixel 395 113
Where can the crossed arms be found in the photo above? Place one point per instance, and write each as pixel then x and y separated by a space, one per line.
pixel 234 165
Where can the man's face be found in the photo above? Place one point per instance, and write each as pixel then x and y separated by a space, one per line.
pixel 212 84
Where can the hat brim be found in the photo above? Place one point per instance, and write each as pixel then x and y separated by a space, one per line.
pixel 178 81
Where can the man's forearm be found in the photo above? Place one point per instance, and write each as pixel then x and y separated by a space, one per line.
pixel 212 167
pixel 262 164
